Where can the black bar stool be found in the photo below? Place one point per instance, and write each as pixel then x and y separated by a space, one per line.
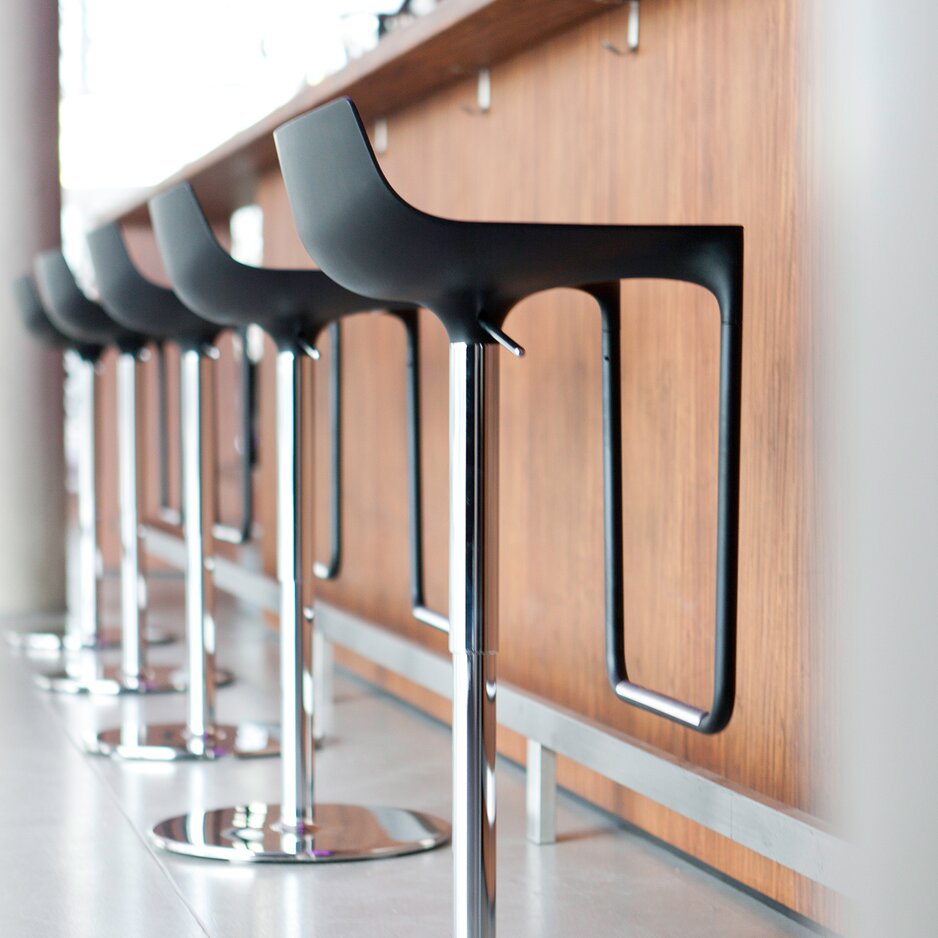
pixel 153 311
pixel 292 307
pixel 68 634
pixel 85 321
pixel 470 275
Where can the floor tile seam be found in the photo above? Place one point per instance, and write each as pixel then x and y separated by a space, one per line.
pixel 111 793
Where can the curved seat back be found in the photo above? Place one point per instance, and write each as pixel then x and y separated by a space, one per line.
pixel 364 235
pixel 352 223
pixel 212 283
pixel 136 302
pixel 72 312
pixel 33 316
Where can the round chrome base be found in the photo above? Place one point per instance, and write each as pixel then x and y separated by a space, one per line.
pixel 251 833
pixel 172 742
pixel 110 681
pixel 106 638
pixel 59 639
pixel 48 641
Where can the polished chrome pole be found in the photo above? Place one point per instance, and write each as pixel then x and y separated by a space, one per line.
pixel 132 676
pixel 200 736
pixel 198 476
pixel 133 609
pixel 63 634
pixel 473 637
pixel 81 670
pixel 296 831
pixel 296 698
pixel 86 620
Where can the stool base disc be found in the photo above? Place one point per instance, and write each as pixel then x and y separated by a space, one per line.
pixel 106 638
pixel 110 681
pixel 172 742
pixel 251 834
pixel 47 641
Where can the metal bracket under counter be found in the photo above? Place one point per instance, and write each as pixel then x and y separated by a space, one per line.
pixel 769 828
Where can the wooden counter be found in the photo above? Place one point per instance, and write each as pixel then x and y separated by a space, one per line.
pixel 703 125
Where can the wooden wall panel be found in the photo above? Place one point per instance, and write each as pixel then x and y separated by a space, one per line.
pixel 701 126
pixel 143 250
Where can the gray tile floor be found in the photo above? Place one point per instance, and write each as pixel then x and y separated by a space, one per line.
pixel 76 862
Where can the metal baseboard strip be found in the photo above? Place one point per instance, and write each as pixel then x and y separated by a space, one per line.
pixel 250 586
pixel 774 830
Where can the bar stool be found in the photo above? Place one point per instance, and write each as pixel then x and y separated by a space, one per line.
pixel 85 321
pixel 361 233
pixel 292 307
pixel 147 309
pixel 68 634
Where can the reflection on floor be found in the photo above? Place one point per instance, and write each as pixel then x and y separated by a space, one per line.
pixel 76 861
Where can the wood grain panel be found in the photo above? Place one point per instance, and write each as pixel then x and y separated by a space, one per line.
pixel 701 126
pixel 457 38
pixel 145 255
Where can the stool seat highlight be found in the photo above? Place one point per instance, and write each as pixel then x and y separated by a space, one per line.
pixel 470 275
pixel 292 307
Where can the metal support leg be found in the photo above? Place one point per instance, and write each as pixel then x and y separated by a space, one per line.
pixel 473 616
pixel 330 570
pixel 167 513
pixel 86 624
pixel 296 699
pixel 323 687
pixel 541 793
pixel 54 639
pixel 297 829
pixel 200 737
pixel 131 676
pixel 243 531
pixel 83 633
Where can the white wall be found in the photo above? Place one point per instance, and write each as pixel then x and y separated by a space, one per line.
pixel 31 461
pixel 875 90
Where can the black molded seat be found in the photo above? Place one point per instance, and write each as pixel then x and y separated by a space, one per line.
pixel 37 321
pixel 470 274
pixel 361 233
pixel 287 304
pixel 136 302
pixel 72 312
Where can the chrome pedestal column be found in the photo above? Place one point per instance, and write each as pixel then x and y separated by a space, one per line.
pixel 53 640
pixel 200 737
pixel 473 636
pixel 132 675
pixel 83 633
pixel 296 830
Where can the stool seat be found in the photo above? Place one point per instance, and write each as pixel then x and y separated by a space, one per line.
pixel 37 321
pixel 287 304
pixel 72 312
pixel 362 233
pixel 136 302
